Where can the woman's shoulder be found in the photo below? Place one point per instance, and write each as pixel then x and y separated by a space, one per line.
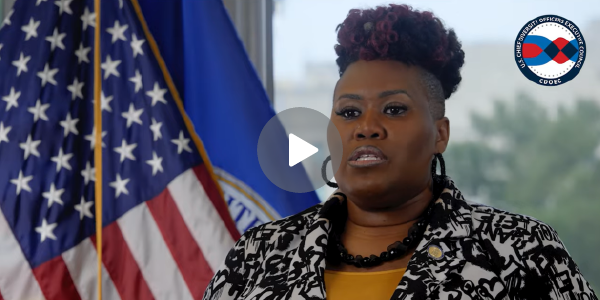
pixel 494 221
pixel 530 248
pixel 524 235
pixel 291 226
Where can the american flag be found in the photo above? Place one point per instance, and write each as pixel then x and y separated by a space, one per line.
pixel 166 228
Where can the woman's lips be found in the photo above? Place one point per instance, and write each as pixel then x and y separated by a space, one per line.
pixel 367 156
pixel 366 163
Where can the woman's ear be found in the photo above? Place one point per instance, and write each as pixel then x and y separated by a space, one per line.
pixel 443 134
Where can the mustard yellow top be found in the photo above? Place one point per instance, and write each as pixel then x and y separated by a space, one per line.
pixel 362 285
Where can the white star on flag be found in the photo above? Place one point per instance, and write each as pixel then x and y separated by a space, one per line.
pixel 89 173
pixel 21 64
pixel 4 133
pixel 88 19
pixel 133 115
pixel 31 29
pixel 48 75
pixel 56 40
pixel 156 163
pixel 110 67
pixel 30 147
pixel 182 143
pixel 120 186
pixel 39 111
pixel 92 138
pixel 64 6
pixel 53 195
pixel 105 102
pixel 157 94
pixel 84 209
pixel 69 125
pixel 137 79
pixel 155 127
pixel 12 99
pixel 117 31
pixel 126 150
pixel 82 53
pixel 46 230
pixel 22 183
pixel 62 160
pixel 136 45
pixel 76 89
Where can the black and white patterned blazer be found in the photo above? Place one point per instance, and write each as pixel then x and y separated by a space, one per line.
pixel 487 254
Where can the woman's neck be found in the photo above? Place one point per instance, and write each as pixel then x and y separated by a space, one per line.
pixel 379 221
pixel 372 231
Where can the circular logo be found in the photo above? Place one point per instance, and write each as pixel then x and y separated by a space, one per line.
pixel 293 146
pixel 550 50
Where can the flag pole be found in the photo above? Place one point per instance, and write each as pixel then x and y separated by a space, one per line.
pixel 98 145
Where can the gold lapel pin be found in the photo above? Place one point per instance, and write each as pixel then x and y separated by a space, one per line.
pixel 435 252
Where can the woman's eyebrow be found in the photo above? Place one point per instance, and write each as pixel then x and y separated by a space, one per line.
pixel 381 95
pixel 350 96
pixel 393 92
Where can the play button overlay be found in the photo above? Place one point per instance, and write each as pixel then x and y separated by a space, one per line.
pixel 292 147
pixel 299 150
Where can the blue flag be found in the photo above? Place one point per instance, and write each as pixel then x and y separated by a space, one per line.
pixel 226 101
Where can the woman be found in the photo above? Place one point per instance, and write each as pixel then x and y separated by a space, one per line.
pixel 395 229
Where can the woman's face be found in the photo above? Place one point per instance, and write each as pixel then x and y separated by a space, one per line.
pixel 382 108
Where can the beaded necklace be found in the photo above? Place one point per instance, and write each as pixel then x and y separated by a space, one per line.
pixel 337 253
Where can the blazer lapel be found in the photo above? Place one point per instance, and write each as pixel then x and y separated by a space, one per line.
pixel 306 277
pixel 438 258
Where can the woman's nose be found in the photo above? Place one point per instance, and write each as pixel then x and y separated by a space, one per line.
pixel 369 127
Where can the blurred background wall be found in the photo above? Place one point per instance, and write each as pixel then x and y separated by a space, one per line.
pixel 5 6
pixel 253 21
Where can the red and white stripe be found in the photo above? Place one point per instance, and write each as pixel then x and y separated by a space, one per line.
pixel 165 248
pixel 16 278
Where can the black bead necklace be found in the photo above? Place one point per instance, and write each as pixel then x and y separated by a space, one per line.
pixel 394 251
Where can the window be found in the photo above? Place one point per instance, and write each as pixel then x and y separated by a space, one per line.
pixel 514 144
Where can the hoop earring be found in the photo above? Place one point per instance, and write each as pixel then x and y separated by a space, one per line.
pixel 324 173
pixel 434 175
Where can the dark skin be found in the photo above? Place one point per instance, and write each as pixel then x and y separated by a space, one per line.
pixel 385 104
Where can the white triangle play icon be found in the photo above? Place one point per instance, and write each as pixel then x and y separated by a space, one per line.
pixel 300 150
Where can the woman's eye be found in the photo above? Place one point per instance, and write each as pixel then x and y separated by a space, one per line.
pixel 348 113
pixel 394 110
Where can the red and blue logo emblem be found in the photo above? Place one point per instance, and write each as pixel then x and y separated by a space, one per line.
pixel 550 50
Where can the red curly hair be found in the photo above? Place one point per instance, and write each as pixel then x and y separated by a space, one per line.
pixel 397 32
